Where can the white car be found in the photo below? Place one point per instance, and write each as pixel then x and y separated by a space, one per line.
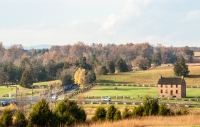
pixel 106 99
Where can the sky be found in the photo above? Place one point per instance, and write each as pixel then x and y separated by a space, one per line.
pixel 62 22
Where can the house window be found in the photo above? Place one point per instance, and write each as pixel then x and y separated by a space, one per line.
pixel 166 86
pixel 171 85
pixel 161 85
pixel 161 91
pixel 176 91
pixel 176 86
pixel 166 91
pixel 171 92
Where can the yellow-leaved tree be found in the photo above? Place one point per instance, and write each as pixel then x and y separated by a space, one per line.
pixel 79 77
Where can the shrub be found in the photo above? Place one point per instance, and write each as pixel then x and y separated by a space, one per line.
pixel 138 111
pixel 151 106
pixel 126 113
pixel 100 114
pixel 110 113
pixel 20 120
pixel 182 111
pixel 40 114
pixel 30 124
pixel 6 118
pixel 178 109
pixel 163 110
pixel 117 116
pixel 69 112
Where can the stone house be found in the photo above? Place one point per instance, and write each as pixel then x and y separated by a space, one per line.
pixel 171 87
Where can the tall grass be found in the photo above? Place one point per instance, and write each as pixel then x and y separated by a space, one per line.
pixel 161 121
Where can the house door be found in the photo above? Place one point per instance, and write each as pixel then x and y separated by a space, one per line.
pixel 171 92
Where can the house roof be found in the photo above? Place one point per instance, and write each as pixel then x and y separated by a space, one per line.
pixel 172 81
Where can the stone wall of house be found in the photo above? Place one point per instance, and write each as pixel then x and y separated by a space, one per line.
pixel 170 91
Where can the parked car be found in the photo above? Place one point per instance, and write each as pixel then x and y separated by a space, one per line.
pixel 106 99
pixel 4 103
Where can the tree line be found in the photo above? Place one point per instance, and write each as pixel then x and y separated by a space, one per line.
pixel 18 65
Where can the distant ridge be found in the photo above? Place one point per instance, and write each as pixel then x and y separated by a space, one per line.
pixel 42 46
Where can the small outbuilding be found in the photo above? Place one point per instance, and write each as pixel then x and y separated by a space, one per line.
pixel 171 87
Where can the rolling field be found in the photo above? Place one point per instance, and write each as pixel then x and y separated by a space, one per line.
pixel 4 90
pixel 122 91
pixel 150 76
pixel 133 92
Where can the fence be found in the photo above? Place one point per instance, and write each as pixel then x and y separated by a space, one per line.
pixel 138 85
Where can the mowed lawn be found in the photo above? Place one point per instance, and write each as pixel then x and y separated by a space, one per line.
pixel 133 91
pixel 150 76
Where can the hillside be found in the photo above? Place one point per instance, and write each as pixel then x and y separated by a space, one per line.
pixel 150 76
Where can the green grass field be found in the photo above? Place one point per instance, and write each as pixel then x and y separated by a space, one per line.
pixel 4 90
pixel 150 76
pixel 133 92
pixel 122 91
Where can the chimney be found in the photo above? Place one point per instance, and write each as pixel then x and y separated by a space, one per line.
pixel 160 76
pixel 182 77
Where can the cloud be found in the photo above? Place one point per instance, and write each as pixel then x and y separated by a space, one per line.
pixel 74 23
pixel 193 15
pixel 131 7
pixel 109 22
pixel 159 40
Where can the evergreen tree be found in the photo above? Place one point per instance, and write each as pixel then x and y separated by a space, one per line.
pixel 103 70
pixel 157 59
pixel 121 65
pixel 41 114
pixel 82 62
pixel 66 78
pixel 126 113
pixel 138 111
pixel 111 66
pixel 63 114
pixel 151 106
pixel 20 120
pixel 100 114
pixel 117 116
pixel 180 67
pixel 42 75
pixel 27 78
pixel 111 113
pixel 6 118
pixel 76 113
pixel 91 76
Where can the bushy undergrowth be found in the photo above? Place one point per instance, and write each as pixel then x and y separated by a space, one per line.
pixel 150 107
pixel 126 113
pixel 100 114
pixel 68 113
